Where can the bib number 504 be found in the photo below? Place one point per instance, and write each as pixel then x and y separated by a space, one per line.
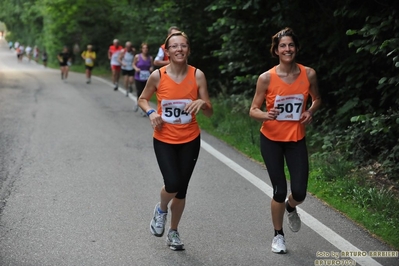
pixel 175 112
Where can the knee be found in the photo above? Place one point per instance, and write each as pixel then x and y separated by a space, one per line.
pixel 181 195
pixel 279 195
pixel 298 196
pixel 171 187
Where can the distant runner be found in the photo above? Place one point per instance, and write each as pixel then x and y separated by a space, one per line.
pixel 162 58
pixel 126 58
pixel 65 60
pixel 143 65
pixel 44 58
pixel 20 52
pixel 89 56
pixel 113 55
pixel 36 53
pixel 28 52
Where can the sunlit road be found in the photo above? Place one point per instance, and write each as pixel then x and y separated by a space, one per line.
pixel 79 181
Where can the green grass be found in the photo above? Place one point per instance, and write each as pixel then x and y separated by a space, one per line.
pixel 104 72
pixel 331 178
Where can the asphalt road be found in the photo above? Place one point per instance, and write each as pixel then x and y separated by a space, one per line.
pixel 79 181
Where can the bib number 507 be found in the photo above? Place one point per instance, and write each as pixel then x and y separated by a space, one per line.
pixel 289 107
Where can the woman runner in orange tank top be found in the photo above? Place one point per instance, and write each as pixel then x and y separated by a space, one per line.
pixel 181 92
pixel 285 88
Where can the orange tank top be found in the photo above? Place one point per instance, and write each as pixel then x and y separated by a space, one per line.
pixel 291 99
pixel 165 56
pixel 179 126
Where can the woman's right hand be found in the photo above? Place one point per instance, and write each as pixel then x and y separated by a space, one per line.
pixel 272 114
pixel 156 120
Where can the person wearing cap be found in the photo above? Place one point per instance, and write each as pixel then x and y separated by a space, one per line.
pixel 113 55
pixel 89 56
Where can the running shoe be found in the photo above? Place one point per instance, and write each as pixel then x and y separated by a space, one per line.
pixel 127 93
pixel 135 107
pixel 278 245
pixel 173 240
pixel 294 222
pixel 116 87
pixel 157 225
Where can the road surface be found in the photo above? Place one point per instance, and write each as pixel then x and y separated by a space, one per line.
pixel 79 181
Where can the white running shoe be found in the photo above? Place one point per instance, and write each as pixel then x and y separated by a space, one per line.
pixel 294 222
pixel 157 224
pixel 278 245
pixel 173 240
pixel 135 107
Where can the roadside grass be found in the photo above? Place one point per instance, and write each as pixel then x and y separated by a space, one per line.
pixel 331 178
pixel 80 68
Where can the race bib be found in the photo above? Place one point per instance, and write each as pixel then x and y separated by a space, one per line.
pixel 173 111
pixel 88 61
pixel 290 107
pixel 144 74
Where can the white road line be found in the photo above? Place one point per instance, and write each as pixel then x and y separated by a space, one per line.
pixel 121 90
pixel 306 218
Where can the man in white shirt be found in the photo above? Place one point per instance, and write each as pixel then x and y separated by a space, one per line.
pixel 28 52
pixel 162 59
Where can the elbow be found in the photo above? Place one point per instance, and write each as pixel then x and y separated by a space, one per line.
pixel 250 113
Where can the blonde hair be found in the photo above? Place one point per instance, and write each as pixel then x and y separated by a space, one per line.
pixel 179 33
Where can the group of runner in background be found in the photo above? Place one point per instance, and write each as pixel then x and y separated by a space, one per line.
pixel 135 67
pixel 31 53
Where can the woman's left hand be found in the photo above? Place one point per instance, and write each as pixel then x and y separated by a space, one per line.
pixel 306 118
pixel 195 106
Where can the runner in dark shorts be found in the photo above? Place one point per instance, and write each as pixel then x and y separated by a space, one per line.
pixel 65 60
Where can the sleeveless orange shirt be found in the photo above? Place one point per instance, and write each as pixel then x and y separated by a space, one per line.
pixel 165 56
pixel 291 99
pixel 179 126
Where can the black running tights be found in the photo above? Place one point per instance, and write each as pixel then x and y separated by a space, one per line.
pixel 296 157
pixel 177 162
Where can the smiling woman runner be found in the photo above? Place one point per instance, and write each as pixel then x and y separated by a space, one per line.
pixel 181 92
pixel 286 88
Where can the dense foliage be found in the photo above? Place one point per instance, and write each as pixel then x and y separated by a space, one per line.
pixel 353 46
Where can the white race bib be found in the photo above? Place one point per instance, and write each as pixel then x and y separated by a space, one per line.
pixel 144 74
pixel 290 107
pixel 173 111
pixel 89 61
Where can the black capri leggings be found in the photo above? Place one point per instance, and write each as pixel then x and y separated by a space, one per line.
pixel 177 162
pixel 296 156
pixel 140 85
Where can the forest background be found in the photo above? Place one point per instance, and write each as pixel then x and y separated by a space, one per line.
pixel 353 46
